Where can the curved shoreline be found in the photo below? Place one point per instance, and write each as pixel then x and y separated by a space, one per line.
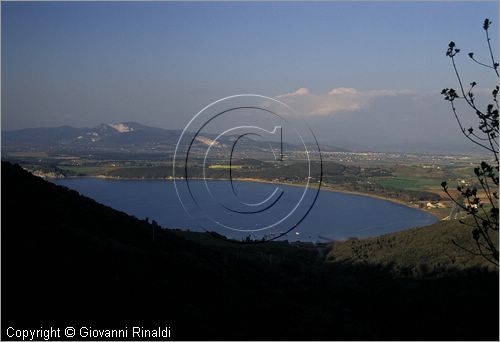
pixel 259 180
pixel 343 191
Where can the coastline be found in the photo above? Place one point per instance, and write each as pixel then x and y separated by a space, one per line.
pixel 344 191
pixel 260 180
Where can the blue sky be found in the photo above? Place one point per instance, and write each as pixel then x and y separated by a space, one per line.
pixel 158 63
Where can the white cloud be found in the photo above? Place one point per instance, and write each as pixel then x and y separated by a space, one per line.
pixel 300 91
pixel 342 91
pixel 340 99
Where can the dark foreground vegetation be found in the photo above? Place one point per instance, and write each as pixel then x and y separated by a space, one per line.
pixel 67 260
pixel 423 252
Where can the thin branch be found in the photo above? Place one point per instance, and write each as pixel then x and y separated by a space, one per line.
pixel 471 104
pixel 488 125
pixel 491 52
pixel 487 189
pixel 486 256
pixel 482 64
pixel 495 152
pixel 478 137
pixel 463 130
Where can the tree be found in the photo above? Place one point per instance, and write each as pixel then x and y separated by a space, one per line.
pixel 484 212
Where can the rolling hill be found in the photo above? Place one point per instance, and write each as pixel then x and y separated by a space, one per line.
pixel 418 251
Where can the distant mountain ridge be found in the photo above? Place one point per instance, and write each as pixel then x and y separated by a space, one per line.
pixel 130 135
pixel 120 134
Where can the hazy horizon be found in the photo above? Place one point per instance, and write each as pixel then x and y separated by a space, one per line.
pixel 362 75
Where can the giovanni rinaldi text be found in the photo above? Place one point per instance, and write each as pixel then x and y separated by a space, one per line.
pixel 46 334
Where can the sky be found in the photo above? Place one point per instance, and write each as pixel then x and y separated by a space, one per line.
pixel 364 75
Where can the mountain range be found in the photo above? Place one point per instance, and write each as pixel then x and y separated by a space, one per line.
pixel 103 135
pixel 106 137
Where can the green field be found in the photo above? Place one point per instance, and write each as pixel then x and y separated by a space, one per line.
pixel 409 183
pixel 465 172
pixel 225 166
